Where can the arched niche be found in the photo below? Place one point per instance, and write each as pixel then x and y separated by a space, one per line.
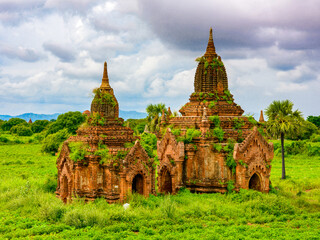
pixel 138 184
pixel 255 182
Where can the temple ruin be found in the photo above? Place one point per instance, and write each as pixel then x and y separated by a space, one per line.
pixel 212 146
pixel 104 159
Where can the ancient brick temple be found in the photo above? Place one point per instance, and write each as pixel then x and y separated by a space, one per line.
pixel 104 159
pixel 212 146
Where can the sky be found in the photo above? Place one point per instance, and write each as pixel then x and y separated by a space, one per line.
pixel 52 52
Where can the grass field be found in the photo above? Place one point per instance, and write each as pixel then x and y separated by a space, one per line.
pixel 30 210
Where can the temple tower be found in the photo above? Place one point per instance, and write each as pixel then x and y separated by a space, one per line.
pixel 210 70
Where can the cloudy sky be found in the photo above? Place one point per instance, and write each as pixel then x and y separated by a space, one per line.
pixel 52 52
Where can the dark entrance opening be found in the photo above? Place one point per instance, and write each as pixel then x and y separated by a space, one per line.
pixel 137 184
pixel 255 182
pixel 166 182
pixel 64 189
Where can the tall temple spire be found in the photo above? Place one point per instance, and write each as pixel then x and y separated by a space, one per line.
pixel 210 70
pixel 211 50
pixel 261 119
pixel 105 79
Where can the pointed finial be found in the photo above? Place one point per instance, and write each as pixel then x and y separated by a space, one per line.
pixel 105 70
pixel 261 119
pixel 211 50
pixel 105 79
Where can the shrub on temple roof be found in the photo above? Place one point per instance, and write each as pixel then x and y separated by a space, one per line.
pixel 78 150
pixel 238 123
pixel 216 120
pixel 103 152
pixel 191 133
pixel 218 133
pixel 103 98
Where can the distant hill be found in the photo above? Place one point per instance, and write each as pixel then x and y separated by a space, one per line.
pixel 26 116
pixel 33 116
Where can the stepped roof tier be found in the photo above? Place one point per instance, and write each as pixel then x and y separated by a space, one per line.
pixel 104 102
pixel 104 159
pixel 211 87
pixel 210 70
pixel 197 148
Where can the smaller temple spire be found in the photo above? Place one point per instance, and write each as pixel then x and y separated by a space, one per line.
pixel 105 79
pixel 211 50
pixel 261 119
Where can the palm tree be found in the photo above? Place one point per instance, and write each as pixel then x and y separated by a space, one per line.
pixel 282 120
pixel 154 112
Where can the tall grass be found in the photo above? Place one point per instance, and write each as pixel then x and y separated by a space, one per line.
pixel 29 208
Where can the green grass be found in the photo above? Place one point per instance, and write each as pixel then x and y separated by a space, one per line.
pixel 30 210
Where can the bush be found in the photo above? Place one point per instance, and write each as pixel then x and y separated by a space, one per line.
pixel 313 150
pixel 7 125
pixel 315 120
pixel 149 143
pixel 50 184
pixel 39 125
pixel 218 133
pixel 315 138
pixel 190 135
pixel 215 120
pixel 77 151
pixel 52 142
pixel 231 163
pixel 168 207
pixel 4 139
pixel 21 130
pixel 70 120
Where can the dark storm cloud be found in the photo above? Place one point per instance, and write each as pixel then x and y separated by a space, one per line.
pixel 254 24
pixel 62 52
pixel 23 54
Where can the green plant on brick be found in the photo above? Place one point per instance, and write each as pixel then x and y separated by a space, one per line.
pixel 231 163
pixel 191 133
pixel 215 120
pixel 252 120
pixel 78 151
pixel 218 133
pixel 238 123
pixel 217 146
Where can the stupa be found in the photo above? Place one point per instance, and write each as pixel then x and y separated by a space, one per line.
pixel 212 146
pixel 104 159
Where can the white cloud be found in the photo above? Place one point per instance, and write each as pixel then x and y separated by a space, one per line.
pixel 52 51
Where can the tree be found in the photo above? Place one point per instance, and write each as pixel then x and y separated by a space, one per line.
pixel 281 121
pixel 52 142
pixel 39 125
pixel 21 130
pixel 7 125
pixel 69 120
pixel 315 120
pixel 154 112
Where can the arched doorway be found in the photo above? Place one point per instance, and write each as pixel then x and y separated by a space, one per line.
pixel 166 181
pixel 64 189
pixel 137 184
pixel 255 182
